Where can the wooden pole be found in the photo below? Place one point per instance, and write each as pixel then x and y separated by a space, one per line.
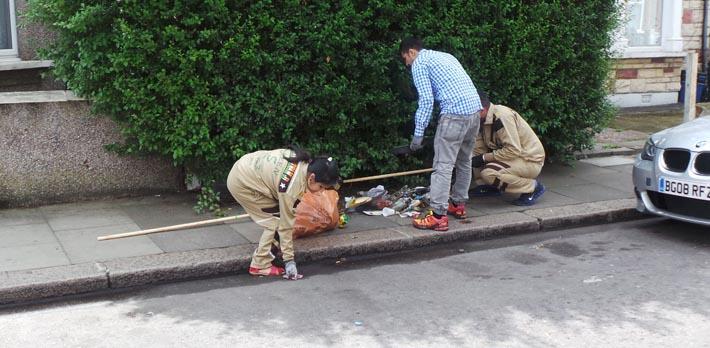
pixel 390 175
pixel 173 227
pixel 236 217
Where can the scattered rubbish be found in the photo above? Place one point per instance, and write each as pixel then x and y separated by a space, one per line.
pixel 592 279
pixel 461 250
pixel 357 323
pixel 353 202
pixel 388 212
pixel 409 214
pixel 149 314
pixel 375 192
pixel 406 202
pixel 344 220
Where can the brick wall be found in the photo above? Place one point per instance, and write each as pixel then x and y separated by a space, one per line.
pixel 692 27
pixel 647 75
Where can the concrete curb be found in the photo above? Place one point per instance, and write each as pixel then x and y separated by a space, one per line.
pixel 26 286
pixel 621 151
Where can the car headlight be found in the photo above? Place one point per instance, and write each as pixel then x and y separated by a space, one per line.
pixel 649 150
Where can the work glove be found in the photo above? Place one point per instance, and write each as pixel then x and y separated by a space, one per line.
pixel 291 271
pixel 477 161
pixel 416 143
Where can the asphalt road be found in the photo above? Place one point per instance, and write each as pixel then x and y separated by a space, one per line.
pixel 638 284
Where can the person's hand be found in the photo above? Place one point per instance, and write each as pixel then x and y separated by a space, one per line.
pixel 291 271
pixel 477 161
pixel 416 143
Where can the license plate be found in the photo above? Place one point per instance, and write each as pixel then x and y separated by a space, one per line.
pixel 684 188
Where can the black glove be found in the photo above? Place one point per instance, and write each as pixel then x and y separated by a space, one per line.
pixel 416 143
pixel 477 161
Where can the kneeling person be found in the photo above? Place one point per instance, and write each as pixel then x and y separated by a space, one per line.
pixel 508 155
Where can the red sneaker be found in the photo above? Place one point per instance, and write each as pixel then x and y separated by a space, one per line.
pixel 457 210
pixel 431 222
pixel 271 271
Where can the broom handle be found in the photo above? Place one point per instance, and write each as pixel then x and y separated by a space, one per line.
pixel 390 175
pixel 236 217
pixel 173 227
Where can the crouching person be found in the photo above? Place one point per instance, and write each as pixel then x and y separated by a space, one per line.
pixel 266 182
pixel 508 155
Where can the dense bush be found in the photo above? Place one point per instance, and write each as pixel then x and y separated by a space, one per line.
pixel 207 81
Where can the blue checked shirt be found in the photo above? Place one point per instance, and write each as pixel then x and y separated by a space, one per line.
pixel 439 76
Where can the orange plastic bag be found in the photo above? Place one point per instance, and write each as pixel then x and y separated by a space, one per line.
pixel 316 213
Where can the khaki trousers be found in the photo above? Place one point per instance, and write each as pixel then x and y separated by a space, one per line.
pixel 260 208
pixel 516 176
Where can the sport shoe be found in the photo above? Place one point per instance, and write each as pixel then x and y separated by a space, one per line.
pixel 431 222
pixel 485 191
pixel 530 198
pixel 457 210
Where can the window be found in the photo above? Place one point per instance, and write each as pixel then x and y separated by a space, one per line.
pixel 644 23
pixel 650 28
pixel 8 33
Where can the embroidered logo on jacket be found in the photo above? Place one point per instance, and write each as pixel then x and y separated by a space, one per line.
pixel 286 176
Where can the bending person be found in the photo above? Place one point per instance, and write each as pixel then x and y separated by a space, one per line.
pixel 266 182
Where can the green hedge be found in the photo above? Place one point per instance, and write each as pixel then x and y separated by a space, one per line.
pixel 207 81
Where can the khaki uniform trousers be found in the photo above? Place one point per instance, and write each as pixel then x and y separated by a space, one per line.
pixel 260 208
pixel 516 176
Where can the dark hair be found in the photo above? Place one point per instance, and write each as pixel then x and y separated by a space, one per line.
pixel 325 168
pixel 485 102
pixel 409 43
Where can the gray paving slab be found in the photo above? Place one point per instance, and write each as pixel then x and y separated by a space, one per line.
pixel 81 245
pixel 503 204
pixel 249 230
pixel 552 179
pixel 621 181
pixel 170 213
pixel 577 169
pixel 198 238
pixel 609 161
pixel 20 235
pixel 13 217
pixel 591 192
pixel 74 219
pixel 32 256
pixel 626 168
pixel 361 222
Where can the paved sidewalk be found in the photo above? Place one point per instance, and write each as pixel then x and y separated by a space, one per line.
pixel 52 250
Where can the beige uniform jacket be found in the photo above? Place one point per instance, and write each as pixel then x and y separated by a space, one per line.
pixel 508 137
pixel 270 174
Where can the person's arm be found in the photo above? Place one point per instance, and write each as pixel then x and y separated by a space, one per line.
pixel 480 146
pixel 426 99
pixel 287 216
pixel 506 129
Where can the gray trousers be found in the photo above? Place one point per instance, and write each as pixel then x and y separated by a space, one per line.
pixel 453 148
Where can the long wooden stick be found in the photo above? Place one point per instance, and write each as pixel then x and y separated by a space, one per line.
pixel 390 175
pixel 173 227
pixel 236 217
